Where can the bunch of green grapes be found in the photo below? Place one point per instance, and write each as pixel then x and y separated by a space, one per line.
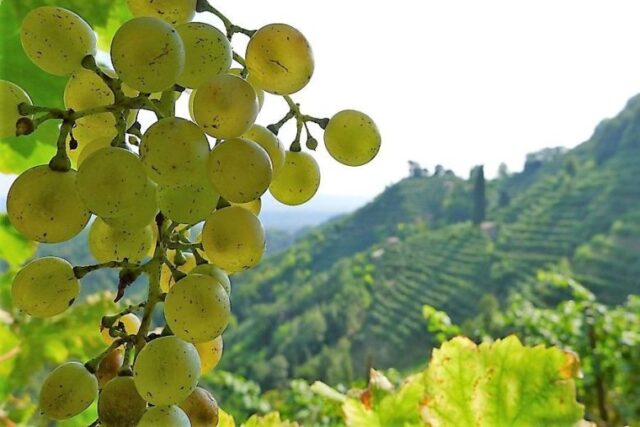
pixel 145 190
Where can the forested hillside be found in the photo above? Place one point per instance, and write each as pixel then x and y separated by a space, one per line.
pixel 351 291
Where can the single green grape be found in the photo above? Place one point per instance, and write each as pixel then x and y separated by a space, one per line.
pixel 259 92
pixel 119 404
pixel 45 287
pixel 111 182
pixel 109 366
pixel 201 408
pixel 148 54
pixel 197 308
pixel 175 151
pixel 216 273
pixel 187 204
pixel 253 206
pixel 210 353
pixel 207 53
pixel 166 277
pixel 164 416
pixel 233 239
pixel 352 138
pixel 68 390
pixel 92 147
pixel 271 144
pixel 279 59
pixel 11 95
pixel 172 11
pixel 240 170
pixel 298 180
pixel 44 206
pixel 131 324
pixel 225 107
pixel 108 243
pixel 141 215
pixel 56 39
pixel 166 371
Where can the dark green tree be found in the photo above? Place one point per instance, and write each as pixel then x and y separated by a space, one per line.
pixel 479 195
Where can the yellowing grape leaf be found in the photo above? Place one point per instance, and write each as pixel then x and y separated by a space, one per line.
pixel 503 384
pixel 225 420
pixel 270 420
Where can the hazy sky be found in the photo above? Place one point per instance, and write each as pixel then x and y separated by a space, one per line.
pixel 458 83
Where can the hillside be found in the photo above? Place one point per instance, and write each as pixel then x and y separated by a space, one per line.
pixel 351 291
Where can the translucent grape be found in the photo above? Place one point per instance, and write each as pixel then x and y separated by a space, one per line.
pixel 270 143
pixel 107 243
pixel 201 408
pixel 43 205
pixel 259 92
pixel 92 147
pixel 298 180
pixel 279 59
pixel 174 151
pixel 187 204
pixel 56 39
pixel 45 287
pixel 172 11
pixel 119 404
pixel 215 272
pixel 11 95
pixel 148 54
pixel 142 214
pixel 68 390
pixel 166 278
pixel 207 53
pixel 164 416
pixel 239 169
pixel 253 206
pixel 111 181
pixel 233 239
pixel 197 308
pixel 109 366
pixel 352 138
pixel 210 353
pixel 225 107
pixel 131 324
pixel 166 371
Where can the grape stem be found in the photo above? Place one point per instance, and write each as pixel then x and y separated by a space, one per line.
pixel 205 6
pixel 109 321
pixel 80 272
pixel 92 364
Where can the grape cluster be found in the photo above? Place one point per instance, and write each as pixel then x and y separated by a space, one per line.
pixel 148 189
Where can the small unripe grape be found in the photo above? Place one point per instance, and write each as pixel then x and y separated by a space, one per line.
pixel 164 416
pixel 216 273
pixel 45 287
pixel 119 404
pixel 166 371
pixel 210 354
pixel 352 138
pixel 197 308
pixel 279 59
pixel 148 54
pixel 233 239
pixel 225 107
pixel 201 408
pixel 298 181
pixel 166 278
pixel 11 95
pixel 253 206
pixel 131 324
pixel 109 366
pixel 43 205
pixel 174 151
pixel 107 243
pixel 188 203
pixel 56 39
pixel 240 170
pixel 172 11
pixel 111 181
pixel 270 143
pixel 68 390
pixel 207 53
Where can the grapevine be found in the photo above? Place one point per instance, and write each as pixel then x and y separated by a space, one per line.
pixel 146 189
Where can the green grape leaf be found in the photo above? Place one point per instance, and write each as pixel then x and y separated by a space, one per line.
pixel 501 384
pixel 270 420
pixel 15 249
pixel 9 348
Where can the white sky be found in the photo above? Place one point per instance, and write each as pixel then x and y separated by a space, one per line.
pixel 458 83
